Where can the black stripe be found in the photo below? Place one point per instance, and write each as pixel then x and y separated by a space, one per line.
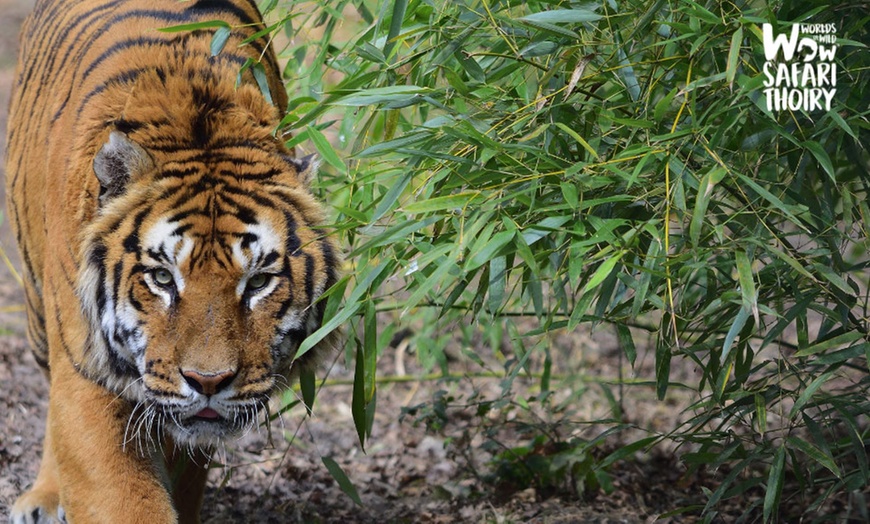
pixel 120 78
pixel 175 172
pixel 133 301
pixel 171 17
pixel 263 175
pixel 309 278
pixel 43 363
pixel 97 258
pixel 117 275
pixel 117 47
pixel 292 243
pixel 48 69
pixel 222 6
pixel 329 262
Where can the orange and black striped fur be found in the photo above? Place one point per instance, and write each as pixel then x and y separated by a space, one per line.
pixel 172 253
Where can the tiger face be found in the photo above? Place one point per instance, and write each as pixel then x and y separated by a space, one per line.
pixel 200 284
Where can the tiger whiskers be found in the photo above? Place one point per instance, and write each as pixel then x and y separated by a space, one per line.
pixel 139 427
pixel 125 439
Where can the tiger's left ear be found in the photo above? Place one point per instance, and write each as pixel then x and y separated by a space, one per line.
pixel 119 161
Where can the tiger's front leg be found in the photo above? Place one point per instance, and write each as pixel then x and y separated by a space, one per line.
pixel 188 471
pixel 40 504
pixel 104 474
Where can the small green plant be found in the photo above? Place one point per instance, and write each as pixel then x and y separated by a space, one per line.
pixel 550 467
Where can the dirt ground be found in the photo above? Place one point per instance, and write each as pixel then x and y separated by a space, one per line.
pixel 407 474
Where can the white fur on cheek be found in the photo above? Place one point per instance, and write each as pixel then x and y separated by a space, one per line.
pixel 114 332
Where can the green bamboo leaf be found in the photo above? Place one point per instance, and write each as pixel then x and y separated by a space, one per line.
pixel 580 308
pixel 552 28
pixel 403 94
pixel 760 414
pixel 325 149
pixel 391 197
pixel 576 136
pixel 489 249
pixel 437 277
pixel 704 82
pixel 626 72
pixel 454 45
pixel 734 54
pixel 471 67
pixel 570 194
pixel 747 283
pixel 813 452
pixel 260 76
pixel 702 200
pixel 537 293
pixel 497 282
pixel 307 385
pixel 831 343
pixel 650 264
pixel 736 327
pixel 343 481
pixel 390 146
pixel 603 271
pixel 399 8
pixel 543 228
pixel 457 201
pixel 626 342
pixel 835 116
pixel 663 367
pixel 352 305
pixel 267 6
pixel 757 140
pixel 219 39
pixel 542 48
pixel 627 451
pixel 714 497
pixel 772 199
pixel 791 261
pixel 855 437
pixel 702 12
pixel 775 478
pixel 809 392
pixel 817 433
pixel 664 104
pixel 370 349
pixel 194 26
pixel 563 16
pixel 828 273
pixel 822 157
pixel 722 380
pixel 358 397
pixel 392 234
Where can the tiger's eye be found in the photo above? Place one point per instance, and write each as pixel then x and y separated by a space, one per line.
pixel 257 281
pixel 163 277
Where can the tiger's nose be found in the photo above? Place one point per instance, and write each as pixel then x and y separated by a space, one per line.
pixel 208 384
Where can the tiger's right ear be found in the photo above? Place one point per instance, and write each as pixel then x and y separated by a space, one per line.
pixel 119 161
pixel 306 168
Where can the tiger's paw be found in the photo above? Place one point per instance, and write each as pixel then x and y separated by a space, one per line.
pixel 37 507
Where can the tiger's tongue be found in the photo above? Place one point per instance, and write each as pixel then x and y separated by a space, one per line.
pixel 207 413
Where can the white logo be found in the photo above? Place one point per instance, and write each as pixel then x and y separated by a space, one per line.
pixel 808 82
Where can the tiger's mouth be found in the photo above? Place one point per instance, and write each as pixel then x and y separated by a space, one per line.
pixel 207 414
pixel 209 426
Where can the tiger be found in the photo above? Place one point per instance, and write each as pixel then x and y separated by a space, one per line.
pixel 174 253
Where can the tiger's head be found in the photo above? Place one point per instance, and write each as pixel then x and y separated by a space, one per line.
pixel 201 273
